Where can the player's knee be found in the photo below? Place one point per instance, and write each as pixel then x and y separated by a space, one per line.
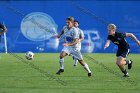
pixel 61 56
pixel 81 62
pixel 119 63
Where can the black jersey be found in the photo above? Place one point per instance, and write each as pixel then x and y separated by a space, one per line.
pixel 1 25
pixel 119 40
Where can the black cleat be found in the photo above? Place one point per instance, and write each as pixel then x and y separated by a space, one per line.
pixel 130 65
pixel 60 71
pixel 126 75
pixel 75 65
pixel 89 74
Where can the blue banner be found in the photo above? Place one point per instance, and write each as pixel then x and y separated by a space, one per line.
pixel 33 25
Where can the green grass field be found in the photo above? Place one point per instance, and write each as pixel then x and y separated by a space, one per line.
pixel 17 76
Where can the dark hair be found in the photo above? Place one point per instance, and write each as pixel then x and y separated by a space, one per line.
pixel 76 21
pixel 70 18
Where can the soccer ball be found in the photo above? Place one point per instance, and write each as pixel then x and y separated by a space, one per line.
pixel 29 55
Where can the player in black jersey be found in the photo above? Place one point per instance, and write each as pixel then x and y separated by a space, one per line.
pixel 2 28
pixel 123 47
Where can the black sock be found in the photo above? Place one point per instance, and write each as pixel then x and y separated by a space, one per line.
pixel 73 57
pixel 127 62
pixel 125 72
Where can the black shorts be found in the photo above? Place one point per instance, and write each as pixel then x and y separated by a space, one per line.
pixel 122 52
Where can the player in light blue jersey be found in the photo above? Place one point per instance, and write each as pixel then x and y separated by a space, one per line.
pixel 71 40
pixel 81 38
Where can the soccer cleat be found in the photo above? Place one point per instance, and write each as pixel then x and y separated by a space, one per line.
pixel 89 74
pixel 126 75
pixel 130 65
pixel 60 71
pixel 74 65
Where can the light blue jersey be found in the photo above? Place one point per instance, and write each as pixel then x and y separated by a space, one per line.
pixel 70 35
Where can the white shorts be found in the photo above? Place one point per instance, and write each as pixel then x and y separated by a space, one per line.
pixel 73 51
pixel 79 48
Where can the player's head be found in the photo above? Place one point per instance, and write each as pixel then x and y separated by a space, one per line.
pixel 69 21
pixel 76 23
pixel 111 29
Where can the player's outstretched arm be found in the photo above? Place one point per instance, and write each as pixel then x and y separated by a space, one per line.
pixel 59 35
pixel 133 37
pixel 4 29
pixel 107 44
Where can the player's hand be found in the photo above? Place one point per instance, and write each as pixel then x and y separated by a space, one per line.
pixel 65 44
pixel 79 40
pixel 105 47
pixel 58 36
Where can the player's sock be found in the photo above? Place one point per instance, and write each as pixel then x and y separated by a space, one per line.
pixel 75 62
pixel 61 61
pixel 128 62
pixel 73 57
pixel 125 72
pixel 87 68
pixel 126 75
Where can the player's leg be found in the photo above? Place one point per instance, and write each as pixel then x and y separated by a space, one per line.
pixel 86 67
pixel 61 59
pixel 128 62
pixel 121 60
pixel 77 54
pixel 61 62
pixel 75 61
pixel 121 64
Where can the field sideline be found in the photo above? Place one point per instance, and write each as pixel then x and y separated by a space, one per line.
pixel 17 76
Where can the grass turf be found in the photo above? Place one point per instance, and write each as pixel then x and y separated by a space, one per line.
pixel 18 75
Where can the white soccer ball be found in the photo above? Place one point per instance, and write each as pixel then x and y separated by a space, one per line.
pixel 29 55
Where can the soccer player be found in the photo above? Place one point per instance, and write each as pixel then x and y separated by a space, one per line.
pixel 3 28
pixel 81 38
pixel 71 38
pixel 123 47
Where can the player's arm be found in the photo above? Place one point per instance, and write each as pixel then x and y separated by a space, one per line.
pixel 71 44
pixel 82 37
pixel 4 29
pixel 133 37
pixel 59 35
pixel 107 44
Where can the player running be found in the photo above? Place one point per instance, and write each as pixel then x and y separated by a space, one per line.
pixel 71 38
pixel 81 38
pixel 123 47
